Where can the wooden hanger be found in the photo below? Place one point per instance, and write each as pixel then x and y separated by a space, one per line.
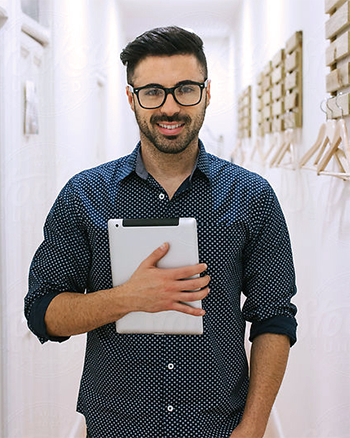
pixel 237 155
pixel 264 146
pixel 278 146
pixel 314 148
pixel 342 156
pixel 287 145
pixel 257 149
pixel 274 143
pixel 325 137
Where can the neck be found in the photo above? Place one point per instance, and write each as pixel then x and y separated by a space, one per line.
pixel 170 170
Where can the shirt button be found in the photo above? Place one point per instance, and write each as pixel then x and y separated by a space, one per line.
pixel 171 366
pixel 161 196
pixel 170 408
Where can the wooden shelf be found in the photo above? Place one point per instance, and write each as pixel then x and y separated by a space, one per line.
pixel 338 21
pixel 278 59
pixel 338 78
pixel 338 57
pixel 280 89
pixel 332 5
pixel 294 42
pixel 338 50
pixel 245 113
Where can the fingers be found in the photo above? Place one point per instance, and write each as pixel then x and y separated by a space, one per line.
pixel 156 255
pixel 184 308
pixel 193 296
pixel 194 283
pixel 183 298
pixel 189 271
pixel 169 289
pixel 178 273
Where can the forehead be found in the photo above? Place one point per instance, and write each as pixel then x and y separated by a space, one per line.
pixel 167 70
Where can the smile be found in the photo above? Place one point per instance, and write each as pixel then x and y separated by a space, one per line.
pixel 170 127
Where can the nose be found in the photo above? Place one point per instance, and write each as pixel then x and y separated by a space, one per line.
pixel 170 106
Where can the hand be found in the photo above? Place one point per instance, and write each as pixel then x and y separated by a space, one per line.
pixel 153 289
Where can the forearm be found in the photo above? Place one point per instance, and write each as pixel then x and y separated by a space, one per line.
pixel 74 313
pixel 149 289
pixel 268 360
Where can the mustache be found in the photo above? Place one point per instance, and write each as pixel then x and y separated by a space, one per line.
pixel 174 118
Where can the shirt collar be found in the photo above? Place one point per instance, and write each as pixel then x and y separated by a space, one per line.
pixel 135 163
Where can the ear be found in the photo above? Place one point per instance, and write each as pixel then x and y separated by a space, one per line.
pixel 208 92
pixel 130 95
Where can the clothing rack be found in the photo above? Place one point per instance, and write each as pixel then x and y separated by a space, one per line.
pixel 330 154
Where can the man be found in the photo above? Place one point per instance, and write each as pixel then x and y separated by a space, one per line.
pixel 170 386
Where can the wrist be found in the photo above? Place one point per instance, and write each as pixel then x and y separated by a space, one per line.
pixel 249 429
pixel 117 303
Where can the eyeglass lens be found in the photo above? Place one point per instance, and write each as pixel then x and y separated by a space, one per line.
pixel 187 95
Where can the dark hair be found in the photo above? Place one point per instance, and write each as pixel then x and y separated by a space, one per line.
pixel 163 41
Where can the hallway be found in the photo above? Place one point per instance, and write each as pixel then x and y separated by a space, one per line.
pixel 63 108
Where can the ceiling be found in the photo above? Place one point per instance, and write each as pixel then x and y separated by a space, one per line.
pixel 209 18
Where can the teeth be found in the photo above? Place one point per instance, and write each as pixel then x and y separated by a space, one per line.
pixel 169 126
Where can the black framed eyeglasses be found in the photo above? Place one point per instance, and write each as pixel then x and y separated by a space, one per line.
pixel 187 93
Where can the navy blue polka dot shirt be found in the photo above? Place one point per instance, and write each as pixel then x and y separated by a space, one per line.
pixel 171 385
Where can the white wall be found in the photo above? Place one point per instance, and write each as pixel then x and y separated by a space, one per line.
pixel 89 85
pixel 80 118
pixel 80 79
pixel 315 397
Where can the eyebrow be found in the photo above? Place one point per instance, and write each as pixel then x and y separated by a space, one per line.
pixel 185 82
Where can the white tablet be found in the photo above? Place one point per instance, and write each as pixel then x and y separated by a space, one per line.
pixel 133 240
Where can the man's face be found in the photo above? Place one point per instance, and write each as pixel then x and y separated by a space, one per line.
pixel 172 127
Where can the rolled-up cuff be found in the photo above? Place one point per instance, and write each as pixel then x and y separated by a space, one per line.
pixel 36 320
pixel 279 325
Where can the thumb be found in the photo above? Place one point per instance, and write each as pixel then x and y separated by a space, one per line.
pixel 156 255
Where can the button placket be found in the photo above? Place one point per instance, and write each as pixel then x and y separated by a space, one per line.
pixel 170 367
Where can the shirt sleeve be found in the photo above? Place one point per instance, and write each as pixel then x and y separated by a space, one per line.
pixel 61 263
pixel 268 270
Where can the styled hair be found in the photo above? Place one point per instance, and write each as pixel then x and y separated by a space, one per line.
pixel 163 41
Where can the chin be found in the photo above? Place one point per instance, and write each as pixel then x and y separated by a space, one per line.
pixel 170 150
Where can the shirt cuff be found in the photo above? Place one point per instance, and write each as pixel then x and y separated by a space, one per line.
pixel 279 325
pixel 36 318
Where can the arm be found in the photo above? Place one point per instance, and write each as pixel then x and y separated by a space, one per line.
pixel 269 285
pixel 269 355
pixel 150 289
pixel 56 306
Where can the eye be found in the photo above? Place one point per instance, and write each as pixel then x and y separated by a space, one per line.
pixel 187 89
pixel 153 92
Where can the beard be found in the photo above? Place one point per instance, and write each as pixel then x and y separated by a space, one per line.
pixel 171 144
